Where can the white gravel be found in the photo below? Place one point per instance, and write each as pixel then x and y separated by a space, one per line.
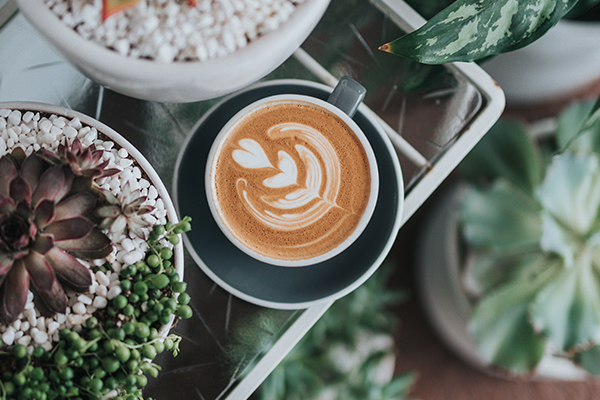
pixel 31 131
pixel 170 30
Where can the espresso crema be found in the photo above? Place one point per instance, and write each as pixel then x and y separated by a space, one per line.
pixel 290 180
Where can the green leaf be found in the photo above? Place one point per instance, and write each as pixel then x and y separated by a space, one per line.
pixel 571 191
pixel 579 127
pixel 501 217
pixel 567 310
pixel 487 271
pixel 399 387
pixel 500 325
pixel 470 30
pixel 590 360
pixel 506 151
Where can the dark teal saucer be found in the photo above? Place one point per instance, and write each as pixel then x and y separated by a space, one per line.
pixel 268 285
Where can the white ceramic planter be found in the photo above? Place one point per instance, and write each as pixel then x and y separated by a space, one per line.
pixel 138 158
pixel 179 81
pixel 439 263
pixel 559 64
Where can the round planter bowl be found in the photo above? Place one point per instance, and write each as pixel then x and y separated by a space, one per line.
pixel 439 266
pixel 134 154
pixel 177 82
pixel 559 64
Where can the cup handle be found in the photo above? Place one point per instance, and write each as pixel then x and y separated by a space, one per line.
pixel 347 95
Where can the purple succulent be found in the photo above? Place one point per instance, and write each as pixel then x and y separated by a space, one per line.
pixel 43 228
pixel 85 162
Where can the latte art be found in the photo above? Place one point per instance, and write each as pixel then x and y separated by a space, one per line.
pixel 303 205
pixel 290 181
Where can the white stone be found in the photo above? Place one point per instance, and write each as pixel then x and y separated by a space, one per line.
pixel 84 299
pixel 24 340
pixel 102 278
pixel 100 302
pixel 8 337
pixel 40 337
pixel 113 292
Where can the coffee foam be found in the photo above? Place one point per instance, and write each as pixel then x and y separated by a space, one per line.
pixel 291 181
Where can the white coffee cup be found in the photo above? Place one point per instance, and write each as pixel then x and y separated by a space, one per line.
pixel 341 104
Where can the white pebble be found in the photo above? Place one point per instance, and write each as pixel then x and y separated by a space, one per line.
pixel 101 291
pixel 77 320
pixel 113 292
pixel 102 278
pixel 8 337
pixel 128 245
pixel 24 340
pixel 84 299
pixel 133 257
pixel 100 302
pixel 79 308
pixel 15 117
pixel 40 337
pixel 53 327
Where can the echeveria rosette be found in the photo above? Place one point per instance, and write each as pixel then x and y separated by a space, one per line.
pixel 43 227
pixel 469 30
pixel 85 162
pixel 535 249
pixel 124 212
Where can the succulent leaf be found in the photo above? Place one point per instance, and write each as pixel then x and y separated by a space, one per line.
pixel 45 283
pixel 114 6
pixel 488 270
pixel 20 190
pixel 5 263
pixel 43 243
pixel 91 246
pixel 69 229
pixel 590 360
pixel 14 292
pixel 500 324
pixel 506 151
pixel 9 172
pixel 32 170
pixel 69 270
pixel 501 217
pixel 567 310
pixel 74 206
pixel 53 185
pixel 470 30
pixel 570 130
pixel 571 191
pixel 44 213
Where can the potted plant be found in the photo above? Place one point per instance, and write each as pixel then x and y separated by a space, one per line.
pixel 338 360
pixel 174 51
pixel 91 264
pixel 521 291
pixel 555 66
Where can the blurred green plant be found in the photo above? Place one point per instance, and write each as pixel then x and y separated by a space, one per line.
pixel 532 224
pixel 347 354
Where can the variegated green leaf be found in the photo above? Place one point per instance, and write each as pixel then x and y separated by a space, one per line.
pixel 471 30
pixel 571 191
pixel 506 151
pixel 500 325
pixel 567 310
pixel 501 217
